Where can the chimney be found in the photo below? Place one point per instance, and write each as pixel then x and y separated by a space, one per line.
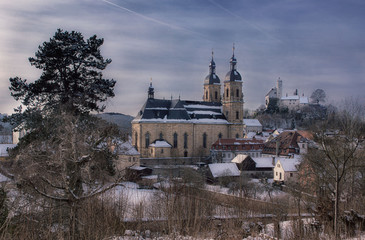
pixel 277 148
pixel 273 161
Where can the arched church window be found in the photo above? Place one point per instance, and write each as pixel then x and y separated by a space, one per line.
pixel 227 92
pixel 185 154
pixel 237 135
pixel 147 139
pixel 161 135
pixel 216 95
pixel 185 140
pixel 220 135
pixel 175 140
pixel 135 139
pixel 237 93
pixel 237 115
pixel 204 140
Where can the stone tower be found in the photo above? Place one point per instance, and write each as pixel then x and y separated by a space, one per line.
pixel 212 85
pixel 233 100
pixel 279 88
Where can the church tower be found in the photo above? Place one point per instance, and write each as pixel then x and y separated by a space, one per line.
pixel 151 91
pixel 233 99
pixel 212 85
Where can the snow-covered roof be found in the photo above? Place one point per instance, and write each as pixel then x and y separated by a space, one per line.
pixel 4 149
pixel 295 97
pixel 303 100
pixel 160 144
pixel 126 148
pixel 239 158
pixel 289 164
pixel 252 122
pixel 224 170
pixel 180 111
pixel 264 162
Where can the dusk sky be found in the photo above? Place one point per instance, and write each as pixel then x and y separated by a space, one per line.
pixel 309 44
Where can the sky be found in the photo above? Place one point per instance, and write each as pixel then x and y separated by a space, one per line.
pixel 309 44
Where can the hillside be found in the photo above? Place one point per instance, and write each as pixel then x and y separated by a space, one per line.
pixel 123 121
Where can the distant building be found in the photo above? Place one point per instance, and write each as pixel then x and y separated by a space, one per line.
pixel 255 167
pixel 222 171
pixel 287 143
pixel 291 102
pixel 252 125
pixel 128 156
pixel 190 127
pixel 224 150
pixel 286 170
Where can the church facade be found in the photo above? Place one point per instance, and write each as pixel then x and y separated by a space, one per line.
pixel 187 129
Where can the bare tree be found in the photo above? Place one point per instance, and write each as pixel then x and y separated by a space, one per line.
pixel 337 156
pixel 71 166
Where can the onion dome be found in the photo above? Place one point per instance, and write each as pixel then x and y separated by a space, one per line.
pixel 233 74
pixel 212 78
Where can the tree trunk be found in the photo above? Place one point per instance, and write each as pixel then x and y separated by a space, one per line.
pixel 337 198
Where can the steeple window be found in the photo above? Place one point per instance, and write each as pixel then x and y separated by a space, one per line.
pixel 147 140
pixel 175 140
pixel 185 140
pixel 204 140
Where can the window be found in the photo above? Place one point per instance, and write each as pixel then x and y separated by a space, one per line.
pixel 216 95
pixel 161 150
pixel 276 173
pixel 291 174
pixel 280 177
pixel 206 95
pixel 185 140
pixel 204 140
pixel 237 115
pixel 237 93
pixel 185 154
pixel 227 92
pixel 237 135
pixel 175 140
pixel 147 140
pixel 161 136
pixel 220 135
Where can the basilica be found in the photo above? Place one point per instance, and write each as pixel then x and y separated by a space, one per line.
pixel 184 129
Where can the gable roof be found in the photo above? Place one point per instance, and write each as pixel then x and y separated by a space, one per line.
pixel 252 122
pixel 184 111
pixel 288 143
pixel 224 170
pixel 289 164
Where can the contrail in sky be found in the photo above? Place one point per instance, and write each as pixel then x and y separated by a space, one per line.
pixel 155 20
pixel 247 22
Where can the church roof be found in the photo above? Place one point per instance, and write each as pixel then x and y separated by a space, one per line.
pixel 233 76
pixel 181 111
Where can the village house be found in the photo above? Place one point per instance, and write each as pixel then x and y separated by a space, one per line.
pixel 128 156
pixel 224 150
pixel 255 167
pixel 286 170
pixel 286 144
pixel 252 125
pixel 222 172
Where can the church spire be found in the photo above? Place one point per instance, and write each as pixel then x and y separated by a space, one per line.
pixel 212 65
pixel 233 59
pixel 151 91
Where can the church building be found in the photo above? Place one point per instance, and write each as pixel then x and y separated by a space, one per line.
pixel 186 129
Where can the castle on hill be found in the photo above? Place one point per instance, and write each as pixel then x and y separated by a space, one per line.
pixel 185 129
pixel 291 102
